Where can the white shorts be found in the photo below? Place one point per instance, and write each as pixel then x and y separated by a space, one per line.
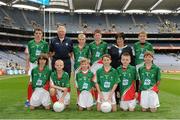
pixel 32 65
pixel 125 105
pixel 66 98
pixel 85 99
pixel 149 99
pixel 39 97
pixel 105 95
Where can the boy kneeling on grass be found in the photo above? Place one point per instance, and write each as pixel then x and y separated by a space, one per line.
pixel 40 82
pixel 59 84
pixel 84 84
pixel 127 85
pixel 106 80
pixel 149 81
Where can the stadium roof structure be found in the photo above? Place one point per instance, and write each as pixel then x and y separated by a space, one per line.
pixel 101 6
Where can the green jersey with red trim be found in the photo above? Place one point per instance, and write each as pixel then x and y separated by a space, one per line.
pixel 139 51
pixel 39 78
pixel 84 80
pixel 106 80
pixel 97 51
pixel 149 78
pixel 127 82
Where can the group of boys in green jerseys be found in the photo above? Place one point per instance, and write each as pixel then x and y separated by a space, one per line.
pixel 94 51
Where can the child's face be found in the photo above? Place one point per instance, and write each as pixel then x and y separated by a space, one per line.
pixel 85 66
pixel 59 65
pixel 81 40
pixel 125 60
pixel 142 38
pixel 38 36
pixel 148 59
pixel 97 36
pixel 42 62
pixel 106 61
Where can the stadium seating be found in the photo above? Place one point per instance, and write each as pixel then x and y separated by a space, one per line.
pixel 25 19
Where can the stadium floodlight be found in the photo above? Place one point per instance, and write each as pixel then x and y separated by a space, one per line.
pixel 158 2
pixel 110 11
pixel 56 10
pixel 84 11
pixel 161 11
pixel 135 11
pixel 25 7
pixel 98 5
pixel 127 5
pixel 2 3
pixel 71 5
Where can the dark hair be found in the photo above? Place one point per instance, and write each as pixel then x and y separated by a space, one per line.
pixel 38 29
pixel 43 56
pixel 126 54
pixel 97 31
pixel 106 55
pixel 120 35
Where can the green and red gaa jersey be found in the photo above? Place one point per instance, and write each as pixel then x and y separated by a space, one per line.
pixel 97 51
pixel 149 78
pixel 79 54
pixel 35 49
pixel 39 78
pixel 106 80
pixel 127 82
pixel 139 51
pixel 84 80
pixel 64 81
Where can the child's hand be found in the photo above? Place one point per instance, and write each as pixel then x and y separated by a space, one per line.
pixel 101 97
pixel 61 100
pixel 110 96
pixel 136 95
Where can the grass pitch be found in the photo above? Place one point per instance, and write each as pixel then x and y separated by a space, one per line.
pixel 13 95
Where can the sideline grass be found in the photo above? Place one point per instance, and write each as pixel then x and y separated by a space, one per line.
pixel 13 95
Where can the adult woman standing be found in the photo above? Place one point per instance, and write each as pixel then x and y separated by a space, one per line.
pixel 118 49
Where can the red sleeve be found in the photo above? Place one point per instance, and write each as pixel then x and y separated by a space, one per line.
pixel 46 86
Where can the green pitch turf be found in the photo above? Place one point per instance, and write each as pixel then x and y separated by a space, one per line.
pixel 13 95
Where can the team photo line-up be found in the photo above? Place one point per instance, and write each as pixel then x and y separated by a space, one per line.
pixel 103 76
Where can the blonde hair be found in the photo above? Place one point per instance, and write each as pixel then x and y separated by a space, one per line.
pixel 81 36
pixel 142 32
pixel 84 60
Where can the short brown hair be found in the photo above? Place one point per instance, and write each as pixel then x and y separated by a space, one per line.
pixel 97 31
pixel 38 29
pixel 106 55
pixel 120 35
pixel 148 53
pixel 43 56
pixel 126 54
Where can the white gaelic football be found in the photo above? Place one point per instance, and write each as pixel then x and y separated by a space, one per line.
pixel 58 107
pixel 106 107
